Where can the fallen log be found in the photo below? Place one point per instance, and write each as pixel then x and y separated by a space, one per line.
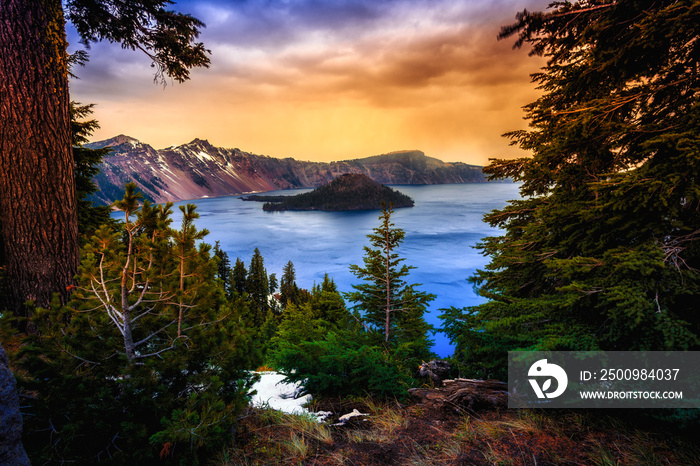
pixel 464 395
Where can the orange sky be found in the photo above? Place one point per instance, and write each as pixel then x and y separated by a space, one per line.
pixel 329 81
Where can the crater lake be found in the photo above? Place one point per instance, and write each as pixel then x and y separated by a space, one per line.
pixel 441 232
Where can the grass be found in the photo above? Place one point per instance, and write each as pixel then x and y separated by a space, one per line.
pixel 389 421
pixel 419 436
pixel 274 437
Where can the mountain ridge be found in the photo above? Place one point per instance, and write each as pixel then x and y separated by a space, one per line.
pixel 199 169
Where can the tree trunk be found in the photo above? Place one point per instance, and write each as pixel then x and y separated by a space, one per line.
pixel 129 347
pixel 37 188
pixel 127 332
pixel 182 288
pixel 464 395
pixel 387 317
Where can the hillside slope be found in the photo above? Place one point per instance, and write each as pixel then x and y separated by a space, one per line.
pixel 199 169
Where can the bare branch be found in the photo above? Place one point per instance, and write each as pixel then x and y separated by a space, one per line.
pixel 149 337
pixel 141 356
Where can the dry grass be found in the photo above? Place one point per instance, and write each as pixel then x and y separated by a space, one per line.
pixel 273 437
pixel 388 421
pixel 417 436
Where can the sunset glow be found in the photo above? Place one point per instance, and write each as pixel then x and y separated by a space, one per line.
pixel 328 81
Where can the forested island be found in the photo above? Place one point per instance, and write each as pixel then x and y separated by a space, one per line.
pixel 346 192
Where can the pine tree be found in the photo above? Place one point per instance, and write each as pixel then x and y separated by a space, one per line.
pixel 140 360
pixel 187 256
pixel 275 302
pixel 273 282
pixel 122 275
pixel 258 289
pixel 602 251
pixel 385 291
pixel 87 162
pixel 320 344
pixel 38 203
pixel 327 303
pixel 328 285
pixel 413 345
pixel 289 291
pixel 224 269
pixel 238 277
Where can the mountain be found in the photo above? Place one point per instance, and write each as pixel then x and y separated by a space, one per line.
pixel 347 192
pixel 198 169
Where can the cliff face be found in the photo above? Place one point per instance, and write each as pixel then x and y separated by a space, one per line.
pixel 198 169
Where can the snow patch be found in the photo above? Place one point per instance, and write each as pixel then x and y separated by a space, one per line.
pixel 273 392
pixel 201 155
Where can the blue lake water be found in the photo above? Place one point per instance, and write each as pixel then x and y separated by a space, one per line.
pixel 441 231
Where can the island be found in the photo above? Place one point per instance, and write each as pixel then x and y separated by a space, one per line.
pixel 346 192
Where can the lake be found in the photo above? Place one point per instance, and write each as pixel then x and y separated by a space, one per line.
pixel 441 231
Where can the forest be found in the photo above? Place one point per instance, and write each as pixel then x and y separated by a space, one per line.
pixel 135 341
pixel 346 192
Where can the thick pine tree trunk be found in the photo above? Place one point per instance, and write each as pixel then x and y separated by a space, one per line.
pixel 37 192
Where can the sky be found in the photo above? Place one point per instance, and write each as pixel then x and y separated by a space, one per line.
pixel 328 80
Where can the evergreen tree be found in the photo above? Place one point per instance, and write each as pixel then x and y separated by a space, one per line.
pixel 115 373
pixel 38 202
pixel 258 289
pixel 187 256
pixel 385 291
pixel 289 291
pixel 601 252
pixel 87 162
pixel 275 305
pixel 412 341
pixel 239 277
pixel 122 273
pixel 328 285
pixel 320 344
pixel 224 269
pixel 273 282
pixel 327 303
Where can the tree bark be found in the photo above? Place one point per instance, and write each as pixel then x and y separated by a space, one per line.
pixel 37 187
pixel 464 394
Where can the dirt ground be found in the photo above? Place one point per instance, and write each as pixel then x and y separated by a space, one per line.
pixel 413 434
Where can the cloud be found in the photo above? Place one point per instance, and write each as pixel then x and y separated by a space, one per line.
pixel 329 78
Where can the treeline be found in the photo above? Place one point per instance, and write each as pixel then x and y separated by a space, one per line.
pixel 151 358
pixel 602 251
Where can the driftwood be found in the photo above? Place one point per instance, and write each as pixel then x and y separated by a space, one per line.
pixel 464 394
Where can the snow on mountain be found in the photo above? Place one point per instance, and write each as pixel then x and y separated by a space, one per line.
pixel 199 169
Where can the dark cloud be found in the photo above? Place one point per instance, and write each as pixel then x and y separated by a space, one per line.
pixel 270 24
pixel 414 41
pixel 401 70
